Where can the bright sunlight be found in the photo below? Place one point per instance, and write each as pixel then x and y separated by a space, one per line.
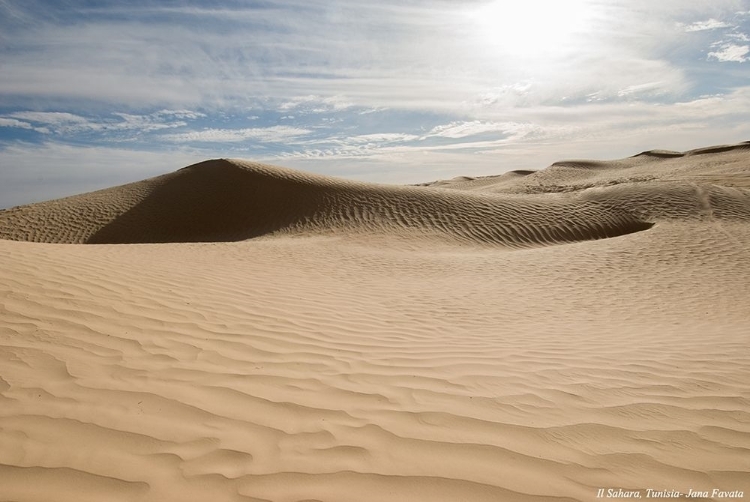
pixel 531 28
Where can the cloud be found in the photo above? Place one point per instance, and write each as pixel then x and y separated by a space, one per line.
pixel 180 114
pixel 63 123
pixel 507 94
pixel 729 52
pixel 315 104
pixel 316 58
pixel 6 122
pixel 50 118
pixel 740 37
pixel 398 146
pixel 271 134
pixel 711 24
pixel 14 123
pixel 359 146
pixel 142 123
pixel 641 89
pixel 464 129
pixel 378 138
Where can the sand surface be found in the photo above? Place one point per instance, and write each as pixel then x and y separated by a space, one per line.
pixel 242 332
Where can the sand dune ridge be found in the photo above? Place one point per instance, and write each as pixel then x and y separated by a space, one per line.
pixel 223 200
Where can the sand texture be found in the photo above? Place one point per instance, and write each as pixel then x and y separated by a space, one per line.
pixel 235 331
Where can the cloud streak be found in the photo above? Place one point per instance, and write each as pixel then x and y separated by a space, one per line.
pixel 272 134
pixel 711 24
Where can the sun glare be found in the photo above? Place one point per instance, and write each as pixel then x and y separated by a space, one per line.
pixel 529 28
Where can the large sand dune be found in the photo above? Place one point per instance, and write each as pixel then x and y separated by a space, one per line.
pixel 268 334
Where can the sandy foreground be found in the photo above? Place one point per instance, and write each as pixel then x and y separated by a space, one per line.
pixel 236 331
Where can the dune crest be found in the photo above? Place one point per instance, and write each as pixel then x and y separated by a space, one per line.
pixel 230 200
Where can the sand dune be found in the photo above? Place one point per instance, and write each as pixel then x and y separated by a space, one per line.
pixel 294 337
pixel 223 200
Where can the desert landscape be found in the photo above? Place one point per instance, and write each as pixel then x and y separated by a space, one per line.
pixel 236 331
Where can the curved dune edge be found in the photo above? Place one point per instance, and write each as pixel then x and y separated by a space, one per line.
pixel 231 200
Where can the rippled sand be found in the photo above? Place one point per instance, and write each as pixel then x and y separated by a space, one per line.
pixel 246 332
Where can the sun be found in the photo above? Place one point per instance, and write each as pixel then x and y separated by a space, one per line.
pixel 529 28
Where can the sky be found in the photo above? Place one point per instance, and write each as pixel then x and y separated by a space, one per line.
pixel 96 93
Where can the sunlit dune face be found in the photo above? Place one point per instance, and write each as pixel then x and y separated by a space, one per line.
pixel 530 28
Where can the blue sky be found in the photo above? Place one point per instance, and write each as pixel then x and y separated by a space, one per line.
pixel 99 93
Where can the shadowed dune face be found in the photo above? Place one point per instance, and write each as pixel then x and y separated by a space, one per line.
pixel 213 201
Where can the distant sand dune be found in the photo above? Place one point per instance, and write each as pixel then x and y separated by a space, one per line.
pixel 224 200
pixel 532 336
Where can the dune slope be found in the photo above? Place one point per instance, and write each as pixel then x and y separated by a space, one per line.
pixel 291 337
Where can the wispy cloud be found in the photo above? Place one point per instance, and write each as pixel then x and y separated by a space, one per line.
pixel 740 37
pixel 9 122
pixel 262 134
pixel 728 52
pixel 711 24
pixel 376 138
pixel 50 118
pixel 465 129
pixel 63 123
pixel 425 56
pixel 316 104
pixel 641 89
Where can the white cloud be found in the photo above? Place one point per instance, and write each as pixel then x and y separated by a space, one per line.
pixel 456 130
pixel 403 146
pixel 420 56
pixel 180 114
pixel 142 123
pixel 69 123
pixel 262 134
pixel 506 94
pixel 6 122
pixel 740 37
pixel 729 52
pixel 711 24
pixel 646 88
pixel 316 104
pixel 14 123
pixel 379 138
pixel 50 118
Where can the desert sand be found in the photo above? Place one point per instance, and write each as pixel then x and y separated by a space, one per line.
pixel 235 331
